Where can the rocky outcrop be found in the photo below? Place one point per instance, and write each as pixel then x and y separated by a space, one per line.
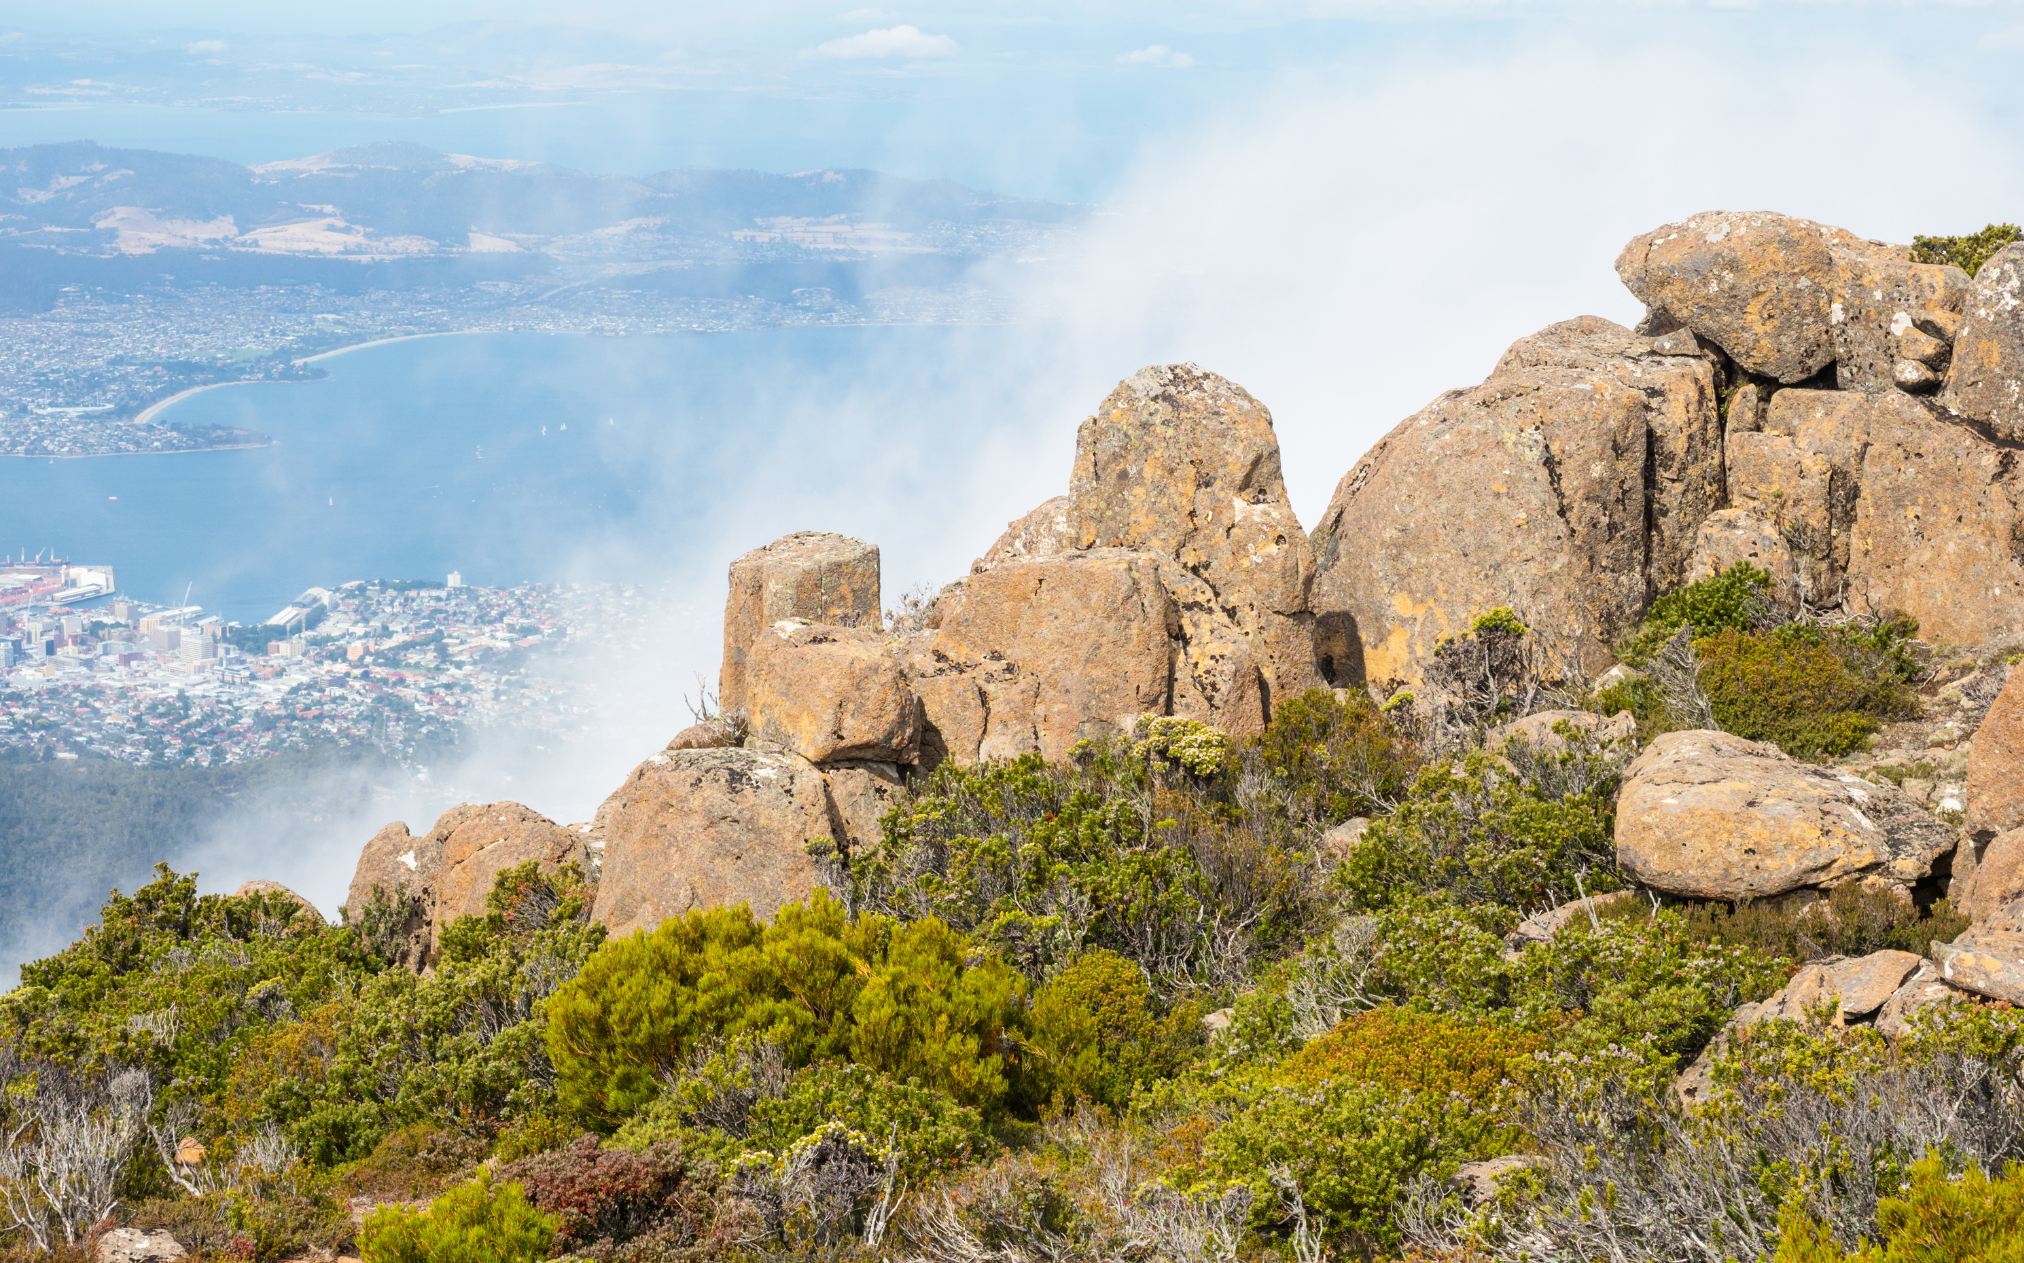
pixel 246 888
pixel 1986 961
pixel 812 575
pixel 1048 531
pixel 1708 815
pixel 701 828
pixel 830 693
pixel 1732 537
pixel 1996 764
pixel 1856 987
pixel 430 880
pixel 1183 464
pixel 860 794
pixel 1985 381
pixel 1543 730
pixel 1569 486
pixel 136 1245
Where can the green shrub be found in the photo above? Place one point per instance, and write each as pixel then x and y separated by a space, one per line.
pixel 1816 694
pixel 935 1134
pixel 476 1223
pixel 1476 834
pixel 1938 1218
pixel 604 1198
pixel 902 998
pixel 1853 921
pixel 1337 755
pixel 414 1162
pixel 1732 600
pixel 1096 1035
pixel 1968 252
pixel 1410 1051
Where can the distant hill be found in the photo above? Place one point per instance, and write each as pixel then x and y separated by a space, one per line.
pixel 389 202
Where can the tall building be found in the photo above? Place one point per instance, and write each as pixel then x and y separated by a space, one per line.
pixel 456 579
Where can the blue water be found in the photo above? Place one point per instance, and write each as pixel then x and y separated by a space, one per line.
pixel 662 458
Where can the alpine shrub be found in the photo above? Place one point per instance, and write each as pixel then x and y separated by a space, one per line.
pixel 1337 754
pixel 1095 1032
pixel 1968 252
pixel 1815 693
pixel 1733 600
pixel 605 1197
pixel 476 1223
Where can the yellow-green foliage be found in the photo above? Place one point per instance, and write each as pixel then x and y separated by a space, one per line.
pixel 1337 754
pixel 1095 1033
pixel 1811 692
pixel 1968 252
pixel 901 998
pixel 1937 1218
pixel 476 1223
pixel 1731 600
pixel 1407 1050
pixel 1188 744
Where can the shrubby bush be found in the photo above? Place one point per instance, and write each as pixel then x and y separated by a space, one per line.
pixel 1337 755
pixel 1853 920
pixel 602 1199
pixel 1096 1033
pixel 903 998
pixel 476 1223
pixel 1967 252
pixel 1963 1217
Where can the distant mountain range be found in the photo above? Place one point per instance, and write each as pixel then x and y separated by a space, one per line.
pixel 386 202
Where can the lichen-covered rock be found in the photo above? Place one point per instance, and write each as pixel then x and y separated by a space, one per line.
pixel 1569 487
pixel 860 794
pixel 430 880
pixel 1986 961
pixel 1996 764
pixel 1992 896
pixel 813 575
pixel 1048 531
pixel 276 888
pixel 1759 285
pixel 830 693
pixel 135 1245
pixel 1732 537
pixel 1880 300
pixel 1857 987
pixel 1986 378
pixel 1060 650
pixel 1183 464
pixel 1792 490
pixel 1541 730
pixel 1922 991
pixel 1708 815
pixel 703 828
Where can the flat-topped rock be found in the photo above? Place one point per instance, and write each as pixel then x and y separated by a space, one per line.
pixel 814 575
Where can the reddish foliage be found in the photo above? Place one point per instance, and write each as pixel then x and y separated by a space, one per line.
pixel 605 1197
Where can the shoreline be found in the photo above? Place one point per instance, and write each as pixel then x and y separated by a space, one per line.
pixel 181 451
pixel 360 346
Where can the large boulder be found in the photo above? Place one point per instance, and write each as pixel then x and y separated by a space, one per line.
pixel 830 693
pixel 1986 379
pixel 701 828
pixel 813 575
pixel 1986 961
pixel 1184 464
pixel 1048 531
pixel 1884 313
pixel 1569 486
pixel 1857 987
pixel 427 881
pixel 1057 651
pixel 1708 815
pixel 1996 764
pixel 1757 284
pixel 1992 896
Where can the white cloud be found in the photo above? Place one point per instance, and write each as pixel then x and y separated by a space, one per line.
pixel 863 15
pixel 206 46
pixel 2004 41
pixel 897 41
pixel 1157 55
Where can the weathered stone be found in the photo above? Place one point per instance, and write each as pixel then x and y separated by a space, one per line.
pixel 813 575
pixel 830 693
pixel 1541 927
pixel 1993 897
pixel 275 888
pixel 1879 297
pixel 1342 839
pixel 1538 730
pixel 1048 531
pixel 487 841
pixel 708 735
pixel 704 828
pixel 1759 285
pixel 1988 962
pixel 1922 991
pixel 402 870
pixel 134 1245
pixel 1531 491
pixel 1915 344
pixel 1913 377
pixel 1996 763
pixel 860 793
pixel 1857 987
pixel 1746 409
pixel 1183 464
pixel 1088 640
pixel 953 716
pixel 1217 677
pixel 1730 537
pixel 1986 380
pixel 1943 325
pixel 1709 815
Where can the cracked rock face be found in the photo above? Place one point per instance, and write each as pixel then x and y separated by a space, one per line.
pixel 830 693
pixel 1996 764
pixel 814 575
pixel 703 828
pixel 1569 486
pixel 1986 378
pixel 1707 815
pixel 447 872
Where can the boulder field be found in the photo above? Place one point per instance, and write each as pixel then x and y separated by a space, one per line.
pixel 1797 397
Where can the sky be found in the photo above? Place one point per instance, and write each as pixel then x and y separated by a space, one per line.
pixel 1347 207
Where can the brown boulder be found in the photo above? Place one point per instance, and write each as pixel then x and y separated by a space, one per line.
pixel 702 828
pixel 1922 991
pixel 136 1245
pixel 860 794
pixel 1996 764
pixel 1618 731
pixel 1048 531
pixel 1880 301
pixel 1732 537
pixel 1708 815
pixel 1060 650
pixel 830 693
pixel 1183 464
pixel 1569 487
pixel 1988 962
pixel 1759 285
pixel 709 735
pixel 1992 896
pixel 1857 988
pixel 276 888
pixel 1986 379
pixel 814 575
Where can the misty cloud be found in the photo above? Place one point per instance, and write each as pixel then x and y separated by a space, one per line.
pixel 1157 55
pixel 897 41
